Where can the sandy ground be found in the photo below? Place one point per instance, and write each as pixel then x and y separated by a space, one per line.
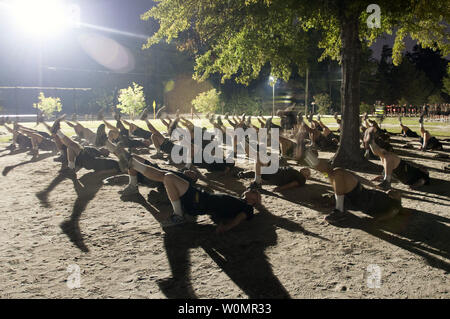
pixel 286 251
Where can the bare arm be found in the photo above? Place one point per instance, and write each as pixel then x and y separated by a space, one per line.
pixel 286 186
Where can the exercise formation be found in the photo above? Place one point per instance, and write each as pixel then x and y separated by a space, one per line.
pixel 128 152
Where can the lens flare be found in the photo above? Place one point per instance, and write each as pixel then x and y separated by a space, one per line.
pixel 107 52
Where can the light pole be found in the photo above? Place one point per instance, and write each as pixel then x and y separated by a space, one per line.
pixel 272 82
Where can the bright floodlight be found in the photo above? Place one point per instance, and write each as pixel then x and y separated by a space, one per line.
pixel 40 17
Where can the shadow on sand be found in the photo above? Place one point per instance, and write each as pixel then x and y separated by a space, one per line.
pixel 311 195
pixel 7 169
pixel 420 233
pixel 240 254
pixel 86 188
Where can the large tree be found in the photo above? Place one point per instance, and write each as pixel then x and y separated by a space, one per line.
pixel 237 38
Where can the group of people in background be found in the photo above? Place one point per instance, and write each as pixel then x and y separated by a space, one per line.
pixel 434 112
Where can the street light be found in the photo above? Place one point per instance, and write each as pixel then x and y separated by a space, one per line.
pixel 44 17
pixel 272 82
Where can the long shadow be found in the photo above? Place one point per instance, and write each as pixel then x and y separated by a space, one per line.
pixel 404 153
pixel 426 191
pixel 139 199
pixel 368 168
pixel 420 233
pixel 422 199
pixel 86 188
pixel 15 152
pixel 240 253
pixel 223 183
pixel 8 169
pixel 43 195
pixel 438 187
pixel 438 170
pixel 309 195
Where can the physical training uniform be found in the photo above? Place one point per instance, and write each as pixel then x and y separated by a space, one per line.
pixel 92 158
pixel 288 121
pixel 383 144
pixel 326 142
pixel 139 132
pixel 433 144
pixel 47 145
pixel 284 176
pixel 44 134
pixel 371 202
pixel 220 207
pixel 410 133
pixel 215 167
pixel 409 174
pixel 23 141
pixel 167 146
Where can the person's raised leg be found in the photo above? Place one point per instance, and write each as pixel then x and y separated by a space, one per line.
pixel 110 126
pixel 176 187
pixel 390 162
pixel 153 129
pixel 342 183
pixel 74 146
pixel 257 182
pixel 35 141
pixel 157 140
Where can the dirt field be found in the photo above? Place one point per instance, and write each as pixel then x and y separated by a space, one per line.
pixel 287 251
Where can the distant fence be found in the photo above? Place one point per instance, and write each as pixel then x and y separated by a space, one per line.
pixel 19 118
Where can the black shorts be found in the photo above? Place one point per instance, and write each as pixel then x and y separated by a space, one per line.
pixel 284 176
pixel 410 133
pixel 23 141
pixel 190 201
pixel 326 143
pixel 88 160
pixel 409 174
pixel 290 151
pixel 44 134
pixel 433 144
pixel 371 202
pixel 167 146
pixel 384 144
pixel 47 145
pixel 332 136
pixel 132 142
pixel 142 133
pixel 216 167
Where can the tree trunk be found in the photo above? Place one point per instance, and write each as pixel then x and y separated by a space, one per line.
pixel 349 154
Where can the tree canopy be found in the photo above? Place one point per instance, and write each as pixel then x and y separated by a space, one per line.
pixel 238 38
pixel 132 100
pixel 207 101
pixel 48 105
